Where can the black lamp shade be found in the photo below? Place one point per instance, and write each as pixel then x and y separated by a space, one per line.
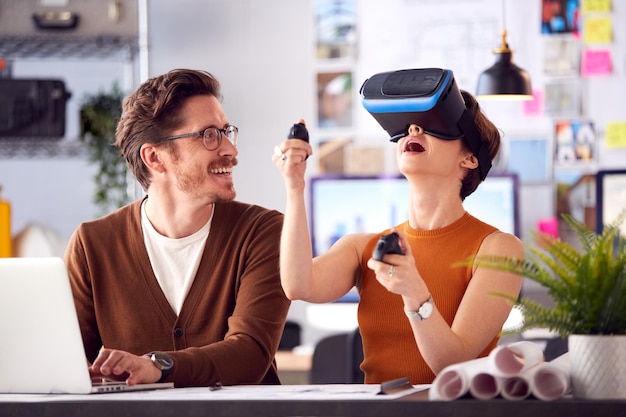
pixel 504 80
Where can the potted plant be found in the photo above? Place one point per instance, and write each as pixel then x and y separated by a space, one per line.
pixel 588 287
pixel 99 115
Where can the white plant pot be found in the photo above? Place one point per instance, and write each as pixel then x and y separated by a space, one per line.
pixel 598 366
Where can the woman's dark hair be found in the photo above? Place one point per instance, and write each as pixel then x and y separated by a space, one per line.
pixel 489 134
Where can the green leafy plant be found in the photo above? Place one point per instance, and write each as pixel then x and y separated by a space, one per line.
pixel 99 115
pixel 587 284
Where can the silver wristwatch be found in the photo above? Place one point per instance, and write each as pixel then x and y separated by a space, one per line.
pixel 162 361
pixel 422 313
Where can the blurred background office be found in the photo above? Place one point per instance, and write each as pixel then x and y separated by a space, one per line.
pixel 281 60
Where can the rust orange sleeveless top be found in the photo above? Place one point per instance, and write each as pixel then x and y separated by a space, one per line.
pixel 389 346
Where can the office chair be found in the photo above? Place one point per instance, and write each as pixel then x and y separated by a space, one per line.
pixel 337 359
pixel 291 336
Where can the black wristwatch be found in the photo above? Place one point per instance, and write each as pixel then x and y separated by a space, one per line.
pixel 163 362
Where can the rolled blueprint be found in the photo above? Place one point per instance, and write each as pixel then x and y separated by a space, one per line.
pixel 485 378
pixel 515 358
pixel 515 388
pixel 551 380
pixel 547 381
pixel 456 380
pixel 485 386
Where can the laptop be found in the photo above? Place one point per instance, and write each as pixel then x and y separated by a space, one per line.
pixel 42 349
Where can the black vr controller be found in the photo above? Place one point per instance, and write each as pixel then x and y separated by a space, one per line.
pixel 387 244
pixel 298 131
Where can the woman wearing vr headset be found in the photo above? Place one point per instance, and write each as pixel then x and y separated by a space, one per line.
pixel 418 312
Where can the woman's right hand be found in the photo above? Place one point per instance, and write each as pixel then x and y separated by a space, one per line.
pixel 333 273
pixel 290 158
pixel 295 244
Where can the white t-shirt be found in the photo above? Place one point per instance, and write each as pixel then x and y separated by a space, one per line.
pixel 174 261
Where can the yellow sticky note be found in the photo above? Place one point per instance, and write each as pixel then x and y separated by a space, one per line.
pixel 615 135
pixel 596 6
pixel 598 30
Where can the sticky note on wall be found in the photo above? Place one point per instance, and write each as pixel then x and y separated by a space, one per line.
pixel 595 6
pixel 598 30
pixel 615 135
pixel 596 62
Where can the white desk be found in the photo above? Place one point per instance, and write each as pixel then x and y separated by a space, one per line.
pixel 312 400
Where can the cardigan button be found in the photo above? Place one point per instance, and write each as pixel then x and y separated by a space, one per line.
pixel 178 332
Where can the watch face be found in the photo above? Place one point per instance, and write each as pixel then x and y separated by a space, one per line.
pixel 162 360
pixel 426 309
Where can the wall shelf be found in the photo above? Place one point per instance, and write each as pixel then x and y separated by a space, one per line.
pixel 35 46
pixel 40 148
pixel 59 46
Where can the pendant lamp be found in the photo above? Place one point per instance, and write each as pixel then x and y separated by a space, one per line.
pixel 504 80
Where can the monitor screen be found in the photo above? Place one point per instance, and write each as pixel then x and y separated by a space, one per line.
pixel 610 197
pixel 351 204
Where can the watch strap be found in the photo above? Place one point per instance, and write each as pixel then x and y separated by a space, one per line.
pixel 417 315
pixel 164 374
pixel 165 370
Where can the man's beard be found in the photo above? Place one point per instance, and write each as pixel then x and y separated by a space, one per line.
pixel 195 184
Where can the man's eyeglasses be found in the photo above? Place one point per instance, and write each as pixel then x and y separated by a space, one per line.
pixel 212 136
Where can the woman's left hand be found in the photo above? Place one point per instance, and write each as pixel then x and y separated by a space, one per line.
pixel 399 275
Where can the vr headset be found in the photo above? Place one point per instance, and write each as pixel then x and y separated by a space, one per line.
pixel 429 98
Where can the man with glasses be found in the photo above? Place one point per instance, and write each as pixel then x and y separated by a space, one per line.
pixel 182 285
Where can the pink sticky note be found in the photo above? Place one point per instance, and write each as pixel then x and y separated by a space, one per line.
pixel 549 226
pixel 595 62
pixel 534 107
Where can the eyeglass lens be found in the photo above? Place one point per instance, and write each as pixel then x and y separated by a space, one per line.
pixel 212 137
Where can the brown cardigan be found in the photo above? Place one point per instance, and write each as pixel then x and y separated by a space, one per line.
pixel 232 320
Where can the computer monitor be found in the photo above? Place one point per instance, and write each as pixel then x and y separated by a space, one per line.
pixel 348 204
pixel 610 197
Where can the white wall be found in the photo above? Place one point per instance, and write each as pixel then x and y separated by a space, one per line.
pixel 262 54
